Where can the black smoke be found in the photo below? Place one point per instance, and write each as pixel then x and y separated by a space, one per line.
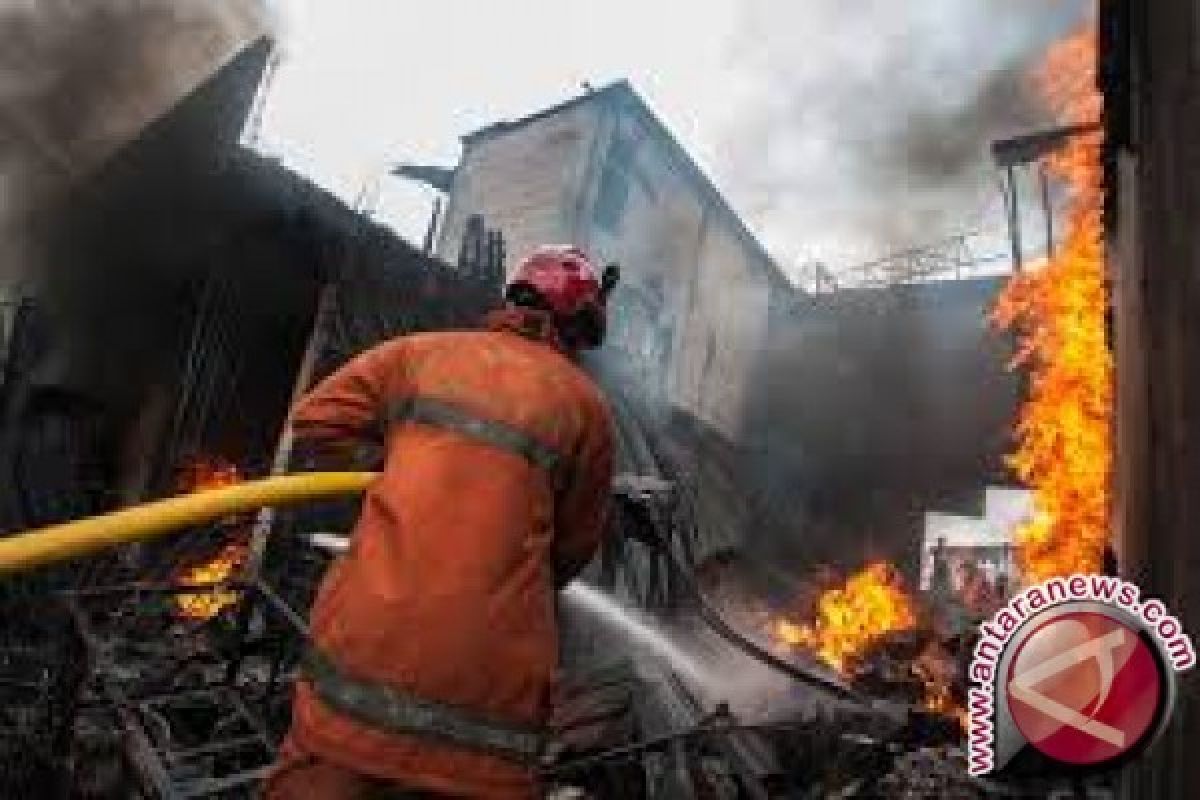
pixel 869 127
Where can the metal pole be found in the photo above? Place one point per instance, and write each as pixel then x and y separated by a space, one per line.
pixel 1014 218
pixel 431 232
pixel 1047 210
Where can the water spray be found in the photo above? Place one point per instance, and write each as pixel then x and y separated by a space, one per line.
pixel 630 623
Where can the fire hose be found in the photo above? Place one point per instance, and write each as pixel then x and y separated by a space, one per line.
pixel 711 617
pixel 82 537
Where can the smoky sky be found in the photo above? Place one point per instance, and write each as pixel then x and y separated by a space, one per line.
pixel 866 123
pixel 79 78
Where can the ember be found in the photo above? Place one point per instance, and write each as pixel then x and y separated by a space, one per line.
pixel 199 474
pixel 1058 308
pixel 937 671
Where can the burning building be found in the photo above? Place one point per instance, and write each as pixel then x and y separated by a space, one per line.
pixel 159 327
pixel 779 386
pixel 207 285
pixel 184 288
pixel 744 486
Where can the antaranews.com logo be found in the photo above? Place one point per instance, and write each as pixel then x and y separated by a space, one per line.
pixel 1079 668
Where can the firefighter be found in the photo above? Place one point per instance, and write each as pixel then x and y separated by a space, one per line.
pixel 434 640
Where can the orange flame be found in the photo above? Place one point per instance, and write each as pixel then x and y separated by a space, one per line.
pixel 1058 309
pixel 850 618
pixel 221 567
pixel 871 604
pixel 197 475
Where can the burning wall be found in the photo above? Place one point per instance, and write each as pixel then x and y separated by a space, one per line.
pixel 1059 310
pixel 194 271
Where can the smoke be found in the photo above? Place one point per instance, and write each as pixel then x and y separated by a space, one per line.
pixel 80 78
pixel 862 127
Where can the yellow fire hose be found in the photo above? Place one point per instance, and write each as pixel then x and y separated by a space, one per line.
pixel 68 540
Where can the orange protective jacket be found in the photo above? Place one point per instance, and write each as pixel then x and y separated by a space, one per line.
pixel 447 592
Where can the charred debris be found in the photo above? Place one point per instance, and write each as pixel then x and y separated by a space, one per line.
pixel 183 297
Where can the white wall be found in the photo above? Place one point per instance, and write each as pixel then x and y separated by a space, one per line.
pixel 671 234
pixel 525 182
pixel 718 350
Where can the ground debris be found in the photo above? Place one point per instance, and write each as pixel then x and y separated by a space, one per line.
pixel 930 772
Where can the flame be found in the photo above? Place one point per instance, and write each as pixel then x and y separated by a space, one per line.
pixel 196 475
pixel 870 604
pixel 220 567
pixel 849 619
pixel 1058 309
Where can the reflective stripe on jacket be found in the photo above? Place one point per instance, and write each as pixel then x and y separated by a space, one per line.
pixel 447 592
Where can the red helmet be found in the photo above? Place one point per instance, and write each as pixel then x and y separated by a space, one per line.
pixel 564 282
